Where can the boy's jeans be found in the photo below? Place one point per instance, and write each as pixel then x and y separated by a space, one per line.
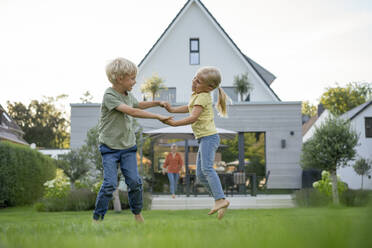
pixel 173 180
pixel 128 165
pixel 204 165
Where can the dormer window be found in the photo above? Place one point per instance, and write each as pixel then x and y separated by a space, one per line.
pixel 194 51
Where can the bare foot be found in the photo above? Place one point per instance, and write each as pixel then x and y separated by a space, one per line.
pixel 96 222
pixel 220 203
pixel 139 218
pixel 173 196
pixel 221 212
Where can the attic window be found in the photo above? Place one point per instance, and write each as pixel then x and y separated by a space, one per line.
pixel 368 126
pixel 194 51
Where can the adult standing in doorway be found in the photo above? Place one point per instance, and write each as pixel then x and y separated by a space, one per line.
pixel 173 164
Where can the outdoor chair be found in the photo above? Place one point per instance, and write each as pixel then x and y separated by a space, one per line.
pixel 262 185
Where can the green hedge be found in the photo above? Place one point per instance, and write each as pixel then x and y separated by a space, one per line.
pixel 84 199
pixel 23 172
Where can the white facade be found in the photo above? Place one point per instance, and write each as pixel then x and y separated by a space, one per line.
pixel 364 149
pixel 169 58
pixel 53 153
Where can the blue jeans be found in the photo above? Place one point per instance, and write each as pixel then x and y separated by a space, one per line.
pixel 128 165
pixel 204 165
pixel 173 180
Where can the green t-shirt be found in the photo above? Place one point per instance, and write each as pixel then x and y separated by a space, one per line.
pixel 116 128
pixel 204 126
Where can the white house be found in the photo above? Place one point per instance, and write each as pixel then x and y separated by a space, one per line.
pixel 193 39
pixel 361 120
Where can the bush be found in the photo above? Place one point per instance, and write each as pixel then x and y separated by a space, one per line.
pixel 325 184
pixel 75 200
pixel 59 187
pixel 309 197
pixel 356 198
pixel 83 199
pixel 22 174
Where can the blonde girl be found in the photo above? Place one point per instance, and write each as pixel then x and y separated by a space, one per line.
pixel 201 119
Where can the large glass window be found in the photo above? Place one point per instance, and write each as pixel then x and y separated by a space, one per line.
pixel 194 51
pixel 168 95
pixel 230 92
pixel 368 127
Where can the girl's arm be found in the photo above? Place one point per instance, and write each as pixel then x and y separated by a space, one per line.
pixel 180 109
pixel 194 115
pixel 135 112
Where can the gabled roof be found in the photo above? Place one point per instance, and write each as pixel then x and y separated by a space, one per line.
pixel 351 114
pixel 263 74
pixel 9 130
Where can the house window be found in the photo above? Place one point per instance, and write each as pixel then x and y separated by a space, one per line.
pixel 168 95
pixel 194 51
pixel 368 126
pixel 230 92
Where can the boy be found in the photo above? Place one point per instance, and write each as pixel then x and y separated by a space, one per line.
pixel 117 138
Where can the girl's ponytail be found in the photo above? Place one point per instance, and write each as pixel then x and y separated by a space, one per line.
pixel 221 103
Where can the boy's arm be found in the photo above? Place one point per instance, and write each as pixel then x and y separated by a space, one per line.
pixel 135 112
pixel 196 112
pixel 145 105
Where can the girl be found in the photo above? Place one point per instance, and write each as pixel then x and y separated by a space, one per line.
pixel 202 119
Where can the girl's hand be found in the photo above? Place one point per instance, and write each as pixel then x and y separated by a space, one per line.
pixel 171 122
pixel 163 118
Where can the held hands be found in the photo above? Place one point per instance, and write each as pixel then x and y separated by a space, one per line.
pixel 165 105
pixel 164 119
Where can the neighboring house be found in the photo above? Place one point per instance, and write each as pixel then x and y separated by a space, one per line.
pixel 194 39
pixel 53 153
pixel 9 130
pixel 361 120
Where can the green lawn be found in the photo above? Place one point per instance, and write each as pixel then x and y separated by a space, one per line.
pixel 299 227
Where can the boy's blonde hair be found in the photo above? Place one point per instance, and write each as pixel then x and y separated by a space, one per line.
pixel 212 77
pixel 120 67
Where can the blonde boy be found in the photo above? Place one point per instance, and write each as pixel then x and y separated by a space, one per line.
pixel 117 138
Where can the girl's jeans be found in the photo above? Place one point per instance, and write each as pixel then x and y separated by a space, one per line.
pixel 204 165
pixel 173 180
pixel 128 165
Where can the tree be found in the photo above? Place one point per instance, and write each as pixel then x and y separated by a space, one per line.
pixel 152 86
pixel 332 146
pixel 339 100
pixel 74 164
pixel 242 85
pixel 91 148
pixel 87 97
pixel 42 123
pixel 308 109
pixel 363 168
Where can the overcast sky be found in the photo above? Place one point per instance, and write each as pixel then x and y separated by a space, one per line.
pixel 48 48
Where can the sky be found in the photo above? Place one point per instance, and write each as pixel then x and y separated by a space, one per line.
pixel 49 48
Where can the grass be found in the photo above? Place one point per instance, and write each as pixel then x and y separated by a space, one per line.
pixel 298 227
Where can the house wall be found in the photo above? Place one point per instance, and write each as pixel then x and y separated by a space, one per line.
pixel 364 150
pixel 170 58
pixel 277 120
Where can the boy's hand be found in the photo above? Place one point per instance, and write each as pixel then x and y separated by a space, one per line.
pixel 164 104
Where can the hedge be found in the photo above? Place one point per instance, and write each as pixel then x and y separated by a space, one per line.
pixel 23 172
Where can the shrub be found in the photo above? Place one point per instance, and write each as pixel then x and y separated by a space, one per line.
pixel 311 198
pixel 75 200
pixel 22 174
pixel 356 198
pixel 325 184
pixel 83 199
pixel 59 187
